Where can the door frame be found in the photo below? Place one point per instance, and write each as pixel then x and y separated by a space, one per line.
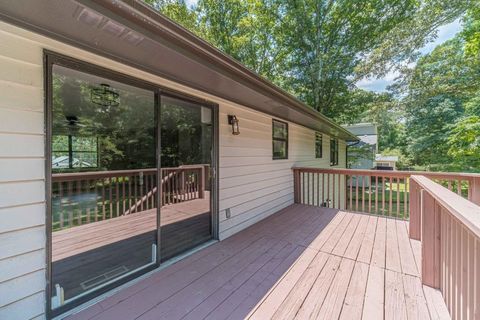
pixel 51 58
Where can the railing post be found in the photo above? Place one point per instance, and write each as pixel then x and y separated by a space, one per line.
pixel 296 186
pixel 474 189
pixel 415 210
pixel 201 187
pixel 431 215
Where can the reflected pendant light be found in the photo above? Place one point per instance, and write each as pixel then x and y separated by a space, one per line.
pixel 104 96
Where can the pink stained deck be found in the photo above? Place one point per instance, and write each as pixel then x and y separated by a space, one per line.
pixel 293 264
pixel 77 240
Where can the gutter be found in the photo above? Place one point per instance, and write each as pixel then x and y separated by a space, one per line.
pixel 186 38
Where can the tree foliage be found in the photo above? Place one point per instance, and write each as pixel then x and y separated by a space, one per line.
pixel 442 107
pixel 316 49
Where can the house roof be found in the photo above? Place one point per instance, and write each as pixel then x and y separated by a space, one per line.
pixel 360 129
pixel 135 34
pixel 369 139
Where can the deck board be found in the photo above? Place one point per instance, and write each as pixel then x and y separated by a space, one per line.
pixel 301 263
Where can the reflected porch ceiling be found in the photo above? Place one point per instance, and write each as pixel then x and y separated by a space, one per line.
pixel 132 33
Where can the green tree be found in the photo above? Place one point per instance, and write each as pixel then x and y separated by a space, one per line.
pixel 317 49
pixel 178 11
pixel 471 32
pixel 328 40
pixel 464 143
pixel 440 96
pixel 248 30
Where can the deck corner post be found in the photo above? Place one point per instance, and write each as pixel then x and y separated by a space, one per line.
pixel 431 214
pixel 296 186
pixel 474 195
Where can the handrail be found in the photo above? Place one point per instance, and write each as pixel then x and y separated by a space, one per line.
pixel 72 176
pixel 449 228
pixel 466 212
pixel 393 173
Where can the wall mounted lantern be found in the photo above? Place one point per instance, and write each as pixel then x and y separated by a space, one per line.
pixel 233 121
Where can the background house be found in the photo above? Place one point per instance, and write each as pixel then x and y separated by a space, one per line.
pixel 361 155
pixel 385 162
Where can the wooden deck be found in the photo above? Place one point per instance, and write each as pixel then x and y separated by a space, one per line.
pixel 90 254
pixel 303 262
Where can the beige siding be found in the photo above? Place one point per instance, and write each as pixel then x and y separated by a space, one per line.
pixel 252 185
pixel 22 191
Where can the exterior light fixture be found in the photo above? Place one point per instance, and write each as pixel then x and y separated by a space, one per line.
pixel 233 121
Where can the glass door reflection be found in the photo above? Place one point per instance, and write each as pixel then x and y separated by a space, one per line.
pixel 186 158
pixel 104 183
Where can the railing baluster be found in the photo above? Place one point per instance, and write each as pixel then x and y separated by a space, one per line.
pixel 146 177
pixel 390 196
pixel 356 193
pixel 351 192
pixel 154 185
pixel 383 195
pixel 376 194
pixel 135 192
pixel 117 195
pixel 405 195
pixel 123 196
pixel 329 200
pixel 308 188
pixel 88 212
pixel 398 197
pixel 363 193
pixel 79 205
pixel 60 195
pixel 323 189
pixel 369 193
pixel 333 190
pixel 104 213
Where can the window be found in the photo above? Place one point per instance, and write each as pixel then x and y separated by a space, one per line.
pixel 333 152
pixel 280 139
pixel 318 145
pixel 69 152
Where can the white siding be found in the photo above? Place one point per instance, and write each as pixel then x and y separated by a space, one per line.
pixel 252 185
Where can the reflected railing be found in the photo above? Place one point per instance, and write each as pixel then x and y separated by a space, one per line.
pixel 84 197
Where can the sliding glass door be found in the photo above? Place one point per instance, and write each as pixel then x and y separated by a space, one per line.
pixel 104 182
pixel 119 203
pixel 186 158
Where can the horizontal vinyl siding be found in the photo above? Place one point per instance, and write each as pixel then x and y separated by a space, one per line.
pixel 22 179
pixel 252 184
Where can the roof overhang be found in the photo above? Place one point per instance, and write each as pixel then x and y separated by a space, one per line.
pixel 133 33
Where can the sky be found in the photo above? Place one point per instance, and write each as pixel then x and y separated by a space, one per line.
pixel 444 33
pixel 190 3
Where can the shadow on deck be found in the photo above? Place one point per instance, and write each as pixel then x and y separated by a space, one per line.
pixel 303 262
